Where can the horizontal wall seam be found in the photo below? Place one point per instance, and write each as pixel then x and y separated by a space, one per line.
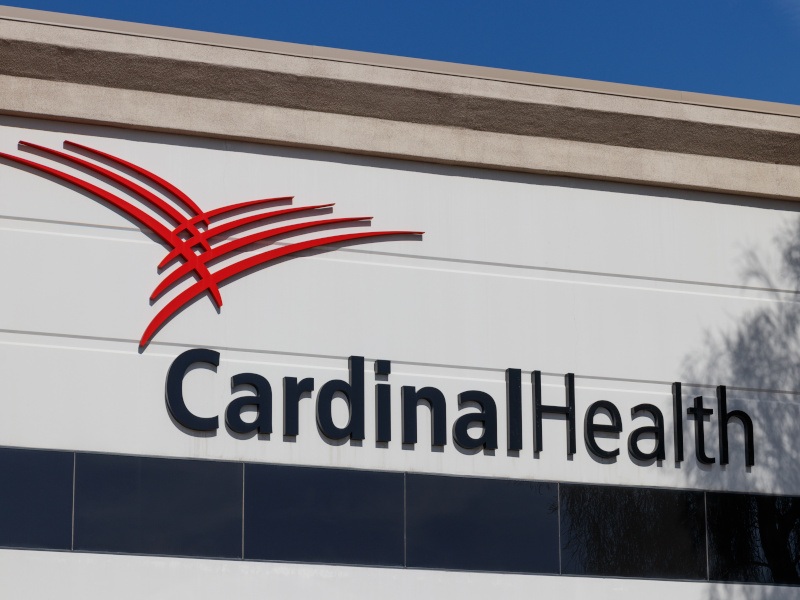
pixel 497 370
pixel 443 259
pixel 317 94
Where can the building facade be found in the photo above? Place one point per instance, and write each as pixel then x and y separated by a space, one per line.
pixel 296 321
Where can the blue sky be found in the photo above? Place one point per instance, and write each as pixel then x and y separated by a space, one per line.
pixel 743 48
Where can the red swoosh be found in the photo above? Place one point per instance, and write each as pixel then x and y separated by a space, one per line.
pixel 232 246
pixel 187 202
pixel 142 217
pixel 223 275
pixel 211 232
pixel 147 195
pixel 204 217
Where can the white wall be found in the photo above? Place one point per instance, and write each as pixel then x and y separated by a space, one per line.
pixel 135 577
pixel 629 288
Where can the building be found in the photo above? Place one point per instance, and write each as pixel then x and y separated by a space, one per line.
pixel 360 415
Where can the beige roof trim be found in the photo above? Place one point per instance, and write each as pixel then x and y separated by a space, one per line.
pixel 393 62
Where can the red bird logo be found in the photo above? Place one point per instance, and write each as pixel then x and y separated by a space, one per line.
pixel 196 240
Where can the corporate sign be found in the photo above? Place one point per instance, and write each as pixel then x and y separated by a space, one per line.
pixel 203 246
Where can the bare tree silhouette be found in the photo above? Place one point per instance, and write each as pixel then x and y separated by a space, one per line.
pixel 756 537
pixel 630 532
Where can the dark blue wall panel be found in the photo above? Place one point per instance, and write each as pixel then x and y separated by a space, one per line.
pixel 158 506
pixel 35 499
pixel 481 524
pixel 338 516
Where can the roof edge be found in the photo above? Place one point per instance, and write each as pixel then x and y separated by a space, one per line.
pixel 11 13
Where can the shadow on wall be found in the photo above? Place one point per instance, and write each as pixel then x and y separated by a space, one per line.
pixel 751 538
pixel 756 538
pixel 608 531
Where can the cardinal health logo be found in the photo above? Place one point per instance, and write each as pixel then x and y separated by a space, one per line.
pixel 196 240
